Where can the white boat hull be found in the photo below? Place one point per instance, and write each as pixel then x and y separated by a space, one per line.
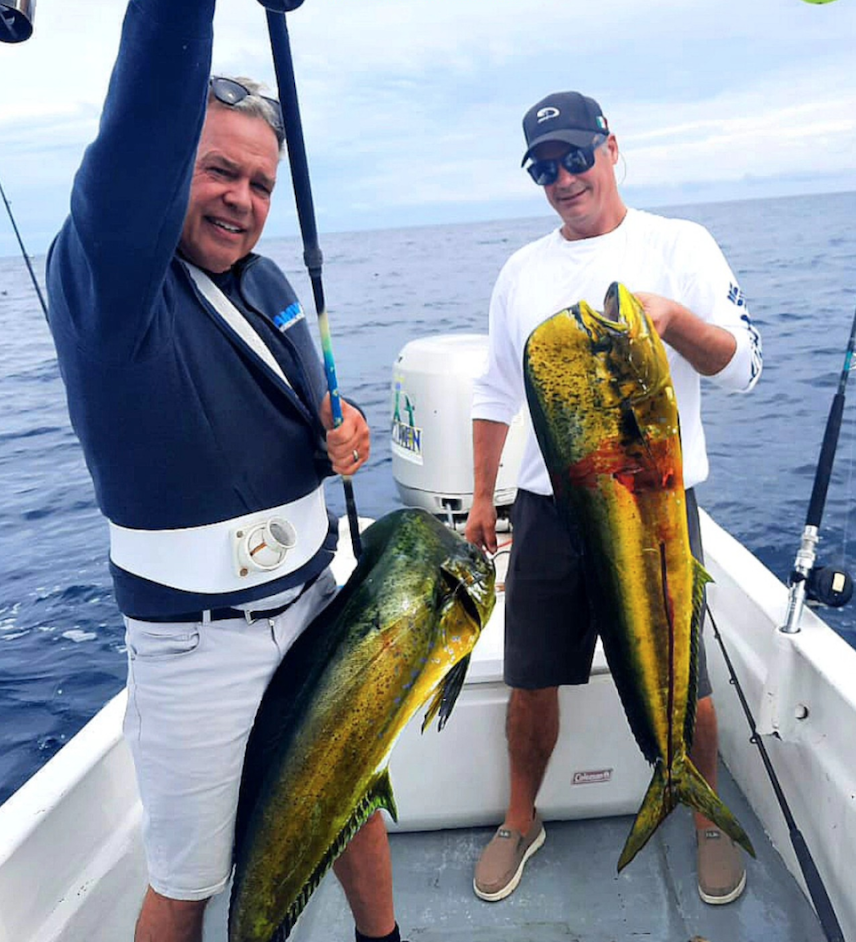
pixel 72 867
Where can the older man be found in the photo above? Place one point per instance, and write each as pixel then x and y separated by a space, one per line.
pixel 678 272
pixel 199 400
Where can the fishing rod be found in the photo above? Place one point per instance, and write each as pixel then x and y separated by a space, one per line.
pixel 813 881
pixel 835 589
pixel 832 587
pixel 284 67
pixel 24 252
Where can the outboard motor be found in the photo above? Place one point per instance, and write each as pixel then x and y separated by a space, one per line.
pixel 431 428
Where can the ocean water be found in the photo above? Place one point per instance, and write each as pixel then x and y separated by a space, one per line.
pixel 61 636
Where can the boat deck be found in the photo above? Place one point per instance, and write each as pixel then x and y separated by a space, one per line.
pixel 571 893
pixel 80 812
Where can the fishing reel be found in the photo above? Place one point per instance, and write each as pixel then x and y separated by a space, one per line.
pixel 827 585
pixel 16 20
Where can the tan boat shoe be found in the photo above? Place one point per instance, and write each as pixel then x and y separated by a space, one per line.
pixel 501 864
pixel 721 871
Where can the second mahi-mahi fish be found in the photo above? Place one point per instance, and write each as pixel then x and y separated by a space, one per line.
pixel 399 634
pixel 606 418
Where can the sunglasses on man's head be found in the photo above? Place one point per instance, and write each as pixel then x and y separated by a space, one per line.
pixel 229 92
pixel 577 160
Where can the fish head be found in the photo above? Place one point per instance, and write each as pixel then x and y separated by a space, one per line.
pixel 468 587
pixel 418 570
pixel 466 596
pixel 596 382
pixel 630 348
pixel 592 361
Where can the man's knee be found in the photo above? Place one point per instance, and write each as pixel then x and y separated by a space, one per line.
pixel 162 918
pixel 532 720
pixel 525 703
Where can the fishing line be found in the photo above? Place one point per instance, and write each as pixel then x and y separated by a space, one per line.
pixel 24 252
pixel 817 891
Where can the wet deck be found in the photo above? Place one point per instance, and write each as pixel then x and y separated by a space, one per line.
pixel 570 891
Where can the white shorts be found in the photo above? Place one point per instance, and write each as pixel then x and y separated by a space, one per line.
pixel 193 692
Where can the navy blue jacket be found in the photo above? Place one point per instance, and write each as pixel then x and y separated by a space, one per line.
pixel 181 424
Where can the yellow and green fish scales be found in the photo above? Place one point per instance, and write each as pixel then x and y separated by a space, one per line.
pixel 398 635
pixel 605 414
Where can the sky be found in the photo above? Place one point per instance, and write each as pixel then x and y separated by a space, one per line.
pixel 412 109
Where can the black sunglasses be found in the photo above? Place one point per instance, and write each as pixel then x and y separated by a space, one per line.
pixel 229 92
pixel 577 160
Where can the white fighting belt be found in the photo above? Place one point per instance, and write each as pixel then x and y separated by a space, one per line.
pixel 229 555
pixel 232 554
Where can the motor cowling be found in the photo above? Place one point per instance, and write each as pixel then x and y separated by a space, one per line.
pixel 431 426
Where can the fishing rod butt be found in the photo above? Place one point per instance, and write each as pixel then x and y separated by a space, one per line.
pixel 16 20
pixel 353 516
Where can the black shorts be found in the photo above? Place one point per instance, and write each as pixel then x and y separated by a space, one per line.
pixel 549 634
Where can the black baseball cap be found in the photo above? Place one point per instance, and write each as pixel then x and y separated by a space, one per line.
pixel 563 116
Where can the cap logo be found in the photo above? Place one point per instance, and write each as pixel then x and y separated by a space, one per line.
pixel 545 114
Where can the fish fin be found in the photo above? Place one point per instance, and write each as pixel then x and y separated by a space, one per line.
pixel 658 803
pixel 694 791
pixel 701 578
pixel 687 787
pixel 446 694
pixel 378 795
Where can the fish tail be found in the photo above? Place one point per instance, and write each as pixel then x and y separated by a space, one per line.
pixel 658 803
pixel 695 792
pixel 687 787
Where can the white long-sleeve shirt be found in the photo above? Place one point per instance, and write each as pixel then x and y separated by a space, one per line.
pixel 674 258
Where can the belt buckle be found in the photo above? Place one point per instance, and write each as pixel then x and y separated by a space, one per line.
pixel 269 614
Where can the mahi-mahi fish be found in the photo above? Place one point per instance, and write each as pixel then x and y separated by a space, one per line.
pixel 399 634
pixel 605 416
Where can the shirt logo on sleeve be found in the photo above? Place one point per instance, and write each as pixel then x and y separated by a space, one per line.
pixel 290 316
pixel 755 341
pixel 736 296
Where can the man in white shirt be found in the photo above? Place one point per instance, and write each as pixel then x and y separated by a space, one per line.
pixel 678 272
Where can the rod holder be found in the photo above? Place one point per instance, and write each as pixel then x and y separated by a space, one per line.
pixel 16 20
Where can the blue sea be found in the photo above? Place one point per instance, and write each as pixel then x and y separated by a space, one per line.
pixel 61 636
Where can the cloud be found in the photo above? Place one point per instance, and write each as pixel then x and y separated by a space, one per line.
pixel 412 109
